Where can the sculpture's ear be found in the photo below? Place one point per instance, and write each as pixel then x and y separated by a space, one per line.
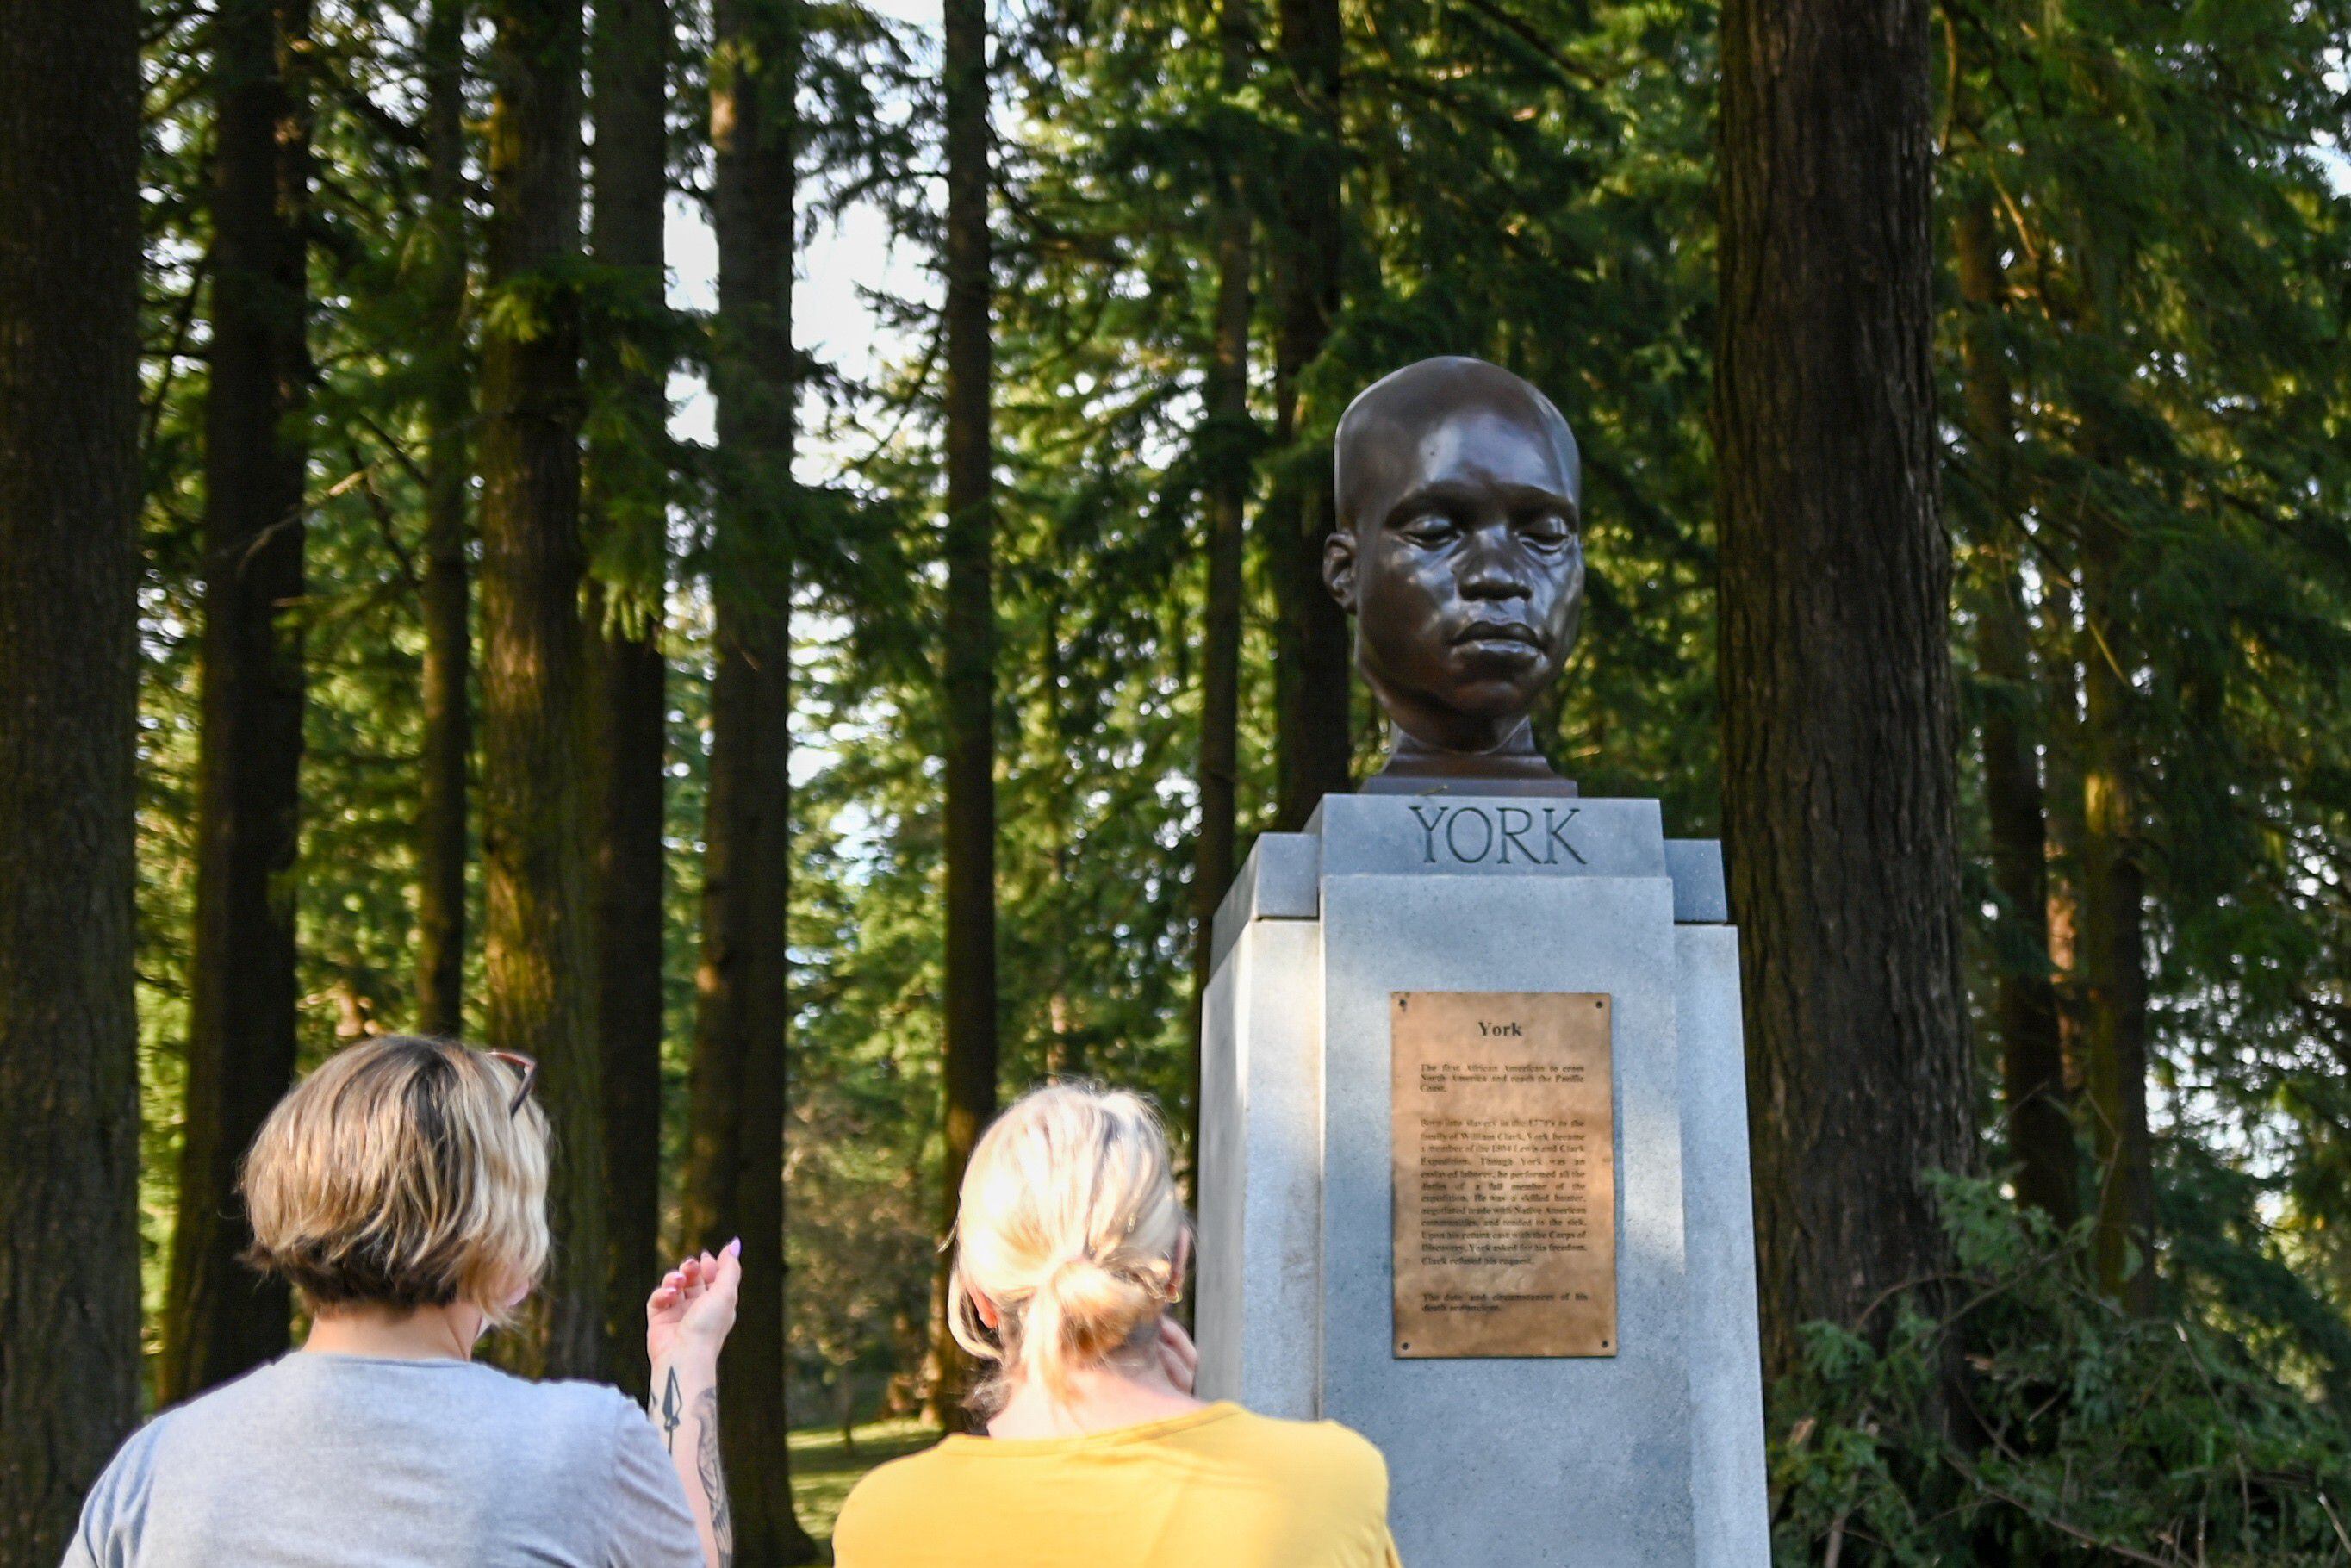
pixel 1339 568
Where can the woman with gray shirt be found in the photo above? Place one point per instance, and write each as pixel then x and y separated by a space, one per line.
pixel 402 1190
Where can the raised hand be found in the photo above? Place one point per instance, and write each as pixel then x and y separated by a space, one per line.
pixel 686 1320
pixel 694 1306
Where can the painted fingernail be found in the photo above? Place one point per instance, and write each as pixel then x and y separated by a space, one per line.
pixel 734 1248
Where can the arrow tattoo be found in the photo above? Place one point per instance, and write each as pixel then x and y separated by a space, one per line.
pixel 671 1412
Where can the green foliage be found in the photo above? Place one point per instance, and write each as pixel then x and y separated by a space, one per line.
pixel 1530 180
pixel 2081 1435
pixel 2171 210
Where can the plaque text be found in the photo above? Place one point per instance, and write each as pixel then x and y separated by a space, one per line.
pixel 1503 1122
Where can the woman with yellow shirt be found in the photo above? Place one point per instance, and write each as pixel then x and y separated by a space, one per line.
pixel 1070 1244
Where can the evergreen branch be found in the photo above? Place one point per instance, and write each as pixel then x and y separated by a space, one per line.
pixel 183 325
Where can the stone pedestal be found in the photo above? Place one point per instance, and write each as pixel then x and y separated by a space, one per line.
pixel 1650 1458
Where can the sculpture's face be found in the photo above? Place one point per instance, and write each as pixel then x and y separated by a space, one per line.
pixel 1465 572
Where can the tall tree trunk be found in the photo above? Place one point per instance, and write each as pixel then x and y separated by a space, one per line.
pixel 2060 646
pixel 541 940
pixel 969 656
pixel 218 1320
pixel 1062 1055
pixel 741 1090
pixel 1227 440
pixel 1838 713
pixel 1311 653
pixel 448 639
pixel 68 711
pixel 2110 937
pixel 627 493
pixel 2113 936
pixel 2033 1064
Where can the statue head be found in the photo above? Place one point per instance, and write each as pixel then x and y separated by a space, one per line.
pixel 1458 549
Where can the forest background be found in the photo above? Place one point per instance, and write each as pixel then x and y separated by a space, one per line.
pixel 614 488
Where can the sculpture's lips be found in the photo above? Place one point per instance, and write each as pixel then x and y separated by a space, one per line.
pixel 1496 631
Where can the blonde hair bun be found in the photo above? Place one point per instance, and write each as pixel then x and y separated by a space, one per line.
pixel 1070 1226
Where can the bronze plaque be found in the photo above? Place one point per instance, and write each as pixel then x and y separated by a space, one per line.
pixel 1503 1117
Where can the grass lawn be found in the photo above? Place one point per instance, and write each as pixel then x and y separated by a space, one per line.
pixel 823 1472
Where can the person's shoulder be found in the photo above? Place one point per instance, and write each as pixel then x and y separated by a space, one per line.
pixel 136 1459
pixel 907 1484
pixel 563 1423
pixel 224 1406
pixel 113 1514
pixel 587 1408
pixel 1322 1451
pixel 907 1475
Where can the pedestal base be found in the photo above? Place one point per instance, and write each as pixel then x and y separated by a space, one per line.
pixel 1650 1458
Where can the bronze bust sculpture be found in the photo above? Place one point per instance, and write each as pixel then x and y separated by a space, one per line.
pixel 1458 549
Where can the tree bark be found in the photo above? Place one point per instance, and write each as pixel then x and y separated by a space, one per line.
pixel 969 659
pixel 1227 441
pixel 2060 644
pixel 627 490
pixel 542 993
pixel 448 637
pixel 1310 649
pixel 218 1318
pixel 68 700
pixel 1838 710
pixel 740 1083
pixel 2033 1064
pixel 740 1087
pixel 2111 948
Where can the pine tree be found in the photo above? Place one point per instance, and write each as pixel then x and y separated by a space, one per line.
pixel 541 938
pixel 69 688
pixel 2032 1069
pixel 1839 787
pixel 626 493
pixel 441 814
pixel 218 1320
pixel 740 1088
pixel 1227 444
pixel 968 649
pixel 1311 654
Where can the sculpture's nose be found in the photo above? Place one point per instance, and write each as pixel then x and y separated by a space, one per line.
pixel 1491 569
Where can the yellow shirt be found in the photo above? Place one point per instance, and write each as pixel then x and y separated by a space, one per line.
pixel 1216 1487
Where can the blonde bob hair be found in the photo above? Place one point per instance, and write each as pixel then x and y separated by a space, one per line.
pixel 396 1175
pixel 1070 1226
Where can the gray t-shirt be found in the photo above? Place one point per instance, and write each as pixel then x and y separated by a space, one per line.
pixel 325 1461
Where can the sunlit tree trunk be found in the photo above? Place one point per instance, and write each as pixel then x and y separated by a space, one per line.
pixel 68 701
pixel 2113 937
pixel 448 637
pixel 1839 791
pixel 2059 642
pixel 740 1085
pixel 626 495
pixel 534 844
pixel 218 1318
pixel 1227 440
pixel 1311 653
pixel 969 655
pixel 2032 1067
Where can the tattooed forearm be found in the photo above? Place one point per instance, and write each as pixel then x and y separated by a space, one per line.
pixel 672 1411
pixel 714 1474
